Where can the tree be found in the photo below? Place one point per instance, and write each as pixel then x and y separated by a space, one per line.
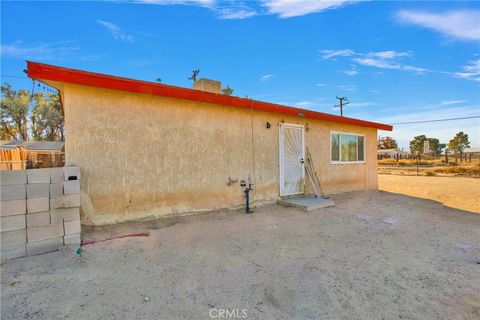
pixel 14 113
pixel 459 143
pixel 435 146
pixel 227 90
pixel 416 145
pixel 47 118
pixel 386 143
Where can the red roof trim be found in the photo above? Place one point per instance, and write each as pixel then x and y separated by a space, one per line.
pixel 42 71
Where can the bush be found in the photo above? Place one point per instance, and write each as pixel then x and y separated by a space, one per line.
pixel 387 162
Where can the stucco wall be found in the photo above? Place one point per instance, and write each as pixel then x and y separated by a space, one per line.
pixel 143 155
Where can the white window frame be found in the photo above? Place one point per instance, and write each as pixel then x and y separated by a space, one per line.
pixel 340 147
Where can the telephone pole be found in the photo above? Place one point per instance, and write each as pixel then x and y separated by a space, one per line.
pixel 342 103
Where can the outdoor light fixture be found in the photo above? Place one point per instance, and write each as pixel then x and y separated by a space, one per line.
pixel 269 125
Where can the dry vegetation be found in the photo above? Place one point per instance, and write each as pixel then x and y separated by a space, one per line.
pixel 430 167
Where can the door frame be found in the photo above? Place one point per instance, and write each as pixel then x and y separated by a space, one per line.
pixel 281 151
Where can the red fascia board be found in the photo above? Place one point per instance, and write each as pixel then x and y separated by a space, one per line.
pixel 40 71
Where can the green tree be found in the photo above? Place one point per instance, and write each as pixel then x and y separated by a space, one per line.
pixel 459 143
pixel 386 143
pixel 227 90
pixel 435 146
pixel 14 113
pixel 418 142
pixel 416 145
pixel 47 118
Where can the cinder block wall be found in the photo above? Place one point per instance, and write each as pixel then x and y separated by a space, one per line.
pixel 40 210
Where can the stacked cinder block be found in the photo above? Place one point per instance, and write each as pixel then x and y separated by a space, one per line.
pixel 40 210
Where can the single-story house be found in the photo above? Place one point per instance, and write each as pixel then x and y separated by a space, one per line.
pixel 41 154
pixel 148 149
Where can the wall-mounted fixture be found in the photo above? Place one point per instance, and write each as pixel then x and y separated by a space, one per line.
pixel 231 181
pixel 307 127
pixel 269 125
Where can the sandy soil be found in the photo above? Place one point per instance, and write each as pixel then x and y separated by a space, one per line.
pixel 456 192
pixel 373 256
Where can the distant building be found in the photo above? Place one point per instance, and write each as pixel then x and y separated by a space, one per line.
pixel 41 154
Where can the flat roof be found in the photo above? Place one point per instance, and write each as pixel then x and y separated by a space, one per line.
pixel 41 71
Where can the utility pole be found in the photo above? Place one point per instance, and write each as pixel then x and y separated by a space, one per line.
pixel 342 103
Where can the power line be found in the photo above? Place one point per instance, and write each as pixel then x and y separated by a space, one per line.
pixel 436 120
pixel 10 76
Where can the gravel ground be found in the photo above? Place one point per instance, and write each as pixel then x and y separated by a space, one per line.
pixel 374 255
pixel 456 192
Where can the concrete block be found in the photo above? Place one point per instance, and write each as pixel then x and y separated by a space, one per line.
pixel 56 203
pixel 71 187
pixel 13 237
pixel 38 205
pixel 56 175
pixel 13 192
pixel 65 214
pixel 56 189
pixel 13 251
pixel 45 232
pixel 44 246
pixel 72 240
pixel 13 207
pixel 72 227
pixel 9 177
pixel 38 175
pixel 71 200
pixel 38 219
pixel 38 190
pixel 70 172
pixel 12 223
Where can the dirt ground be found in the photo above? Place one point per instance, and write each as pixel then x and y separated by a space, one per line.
pixel 374 255
pixel 456 192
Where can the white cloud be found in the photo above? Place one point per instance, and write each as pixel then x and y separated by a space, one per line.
pixel 42 51
pixel 235 13
pixel 266 77
pixel 294 8
pixel 116 31
pixel 321 85
pixel 351 72
pixel 329 54
pixel 390 54
pixel 458 24
pixel 450 102
pixel 388 60
pixel 470 71
pixel 347 87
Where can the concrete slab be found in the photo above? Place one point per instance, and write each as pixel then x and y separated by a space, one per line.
pixel 306 203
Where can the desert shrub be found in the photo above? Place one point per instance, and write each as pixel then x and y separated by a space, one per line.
pixel 387 162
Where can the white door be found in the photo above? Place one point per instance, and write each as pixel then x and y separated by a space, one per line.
pixel 292 154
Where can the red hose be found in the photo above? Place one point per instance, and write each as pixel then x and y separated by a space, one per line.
pixel 143 234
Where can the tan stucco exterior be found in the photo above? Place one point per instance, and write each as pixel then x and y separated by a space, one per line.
pixel 144 156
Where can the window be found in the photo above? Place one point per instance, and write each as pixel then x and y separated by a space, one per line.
pixel 347 147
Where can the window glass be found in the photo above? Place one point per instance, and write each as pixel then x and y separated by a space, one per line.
pixel 348 146
pixel 361 156
pixel 335 147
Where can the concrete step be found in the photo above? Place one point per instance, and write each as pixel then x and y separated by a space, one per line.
pixel 307 203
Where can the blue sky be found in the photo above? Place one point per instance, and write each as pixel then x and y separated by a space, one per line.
pixel 395 61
